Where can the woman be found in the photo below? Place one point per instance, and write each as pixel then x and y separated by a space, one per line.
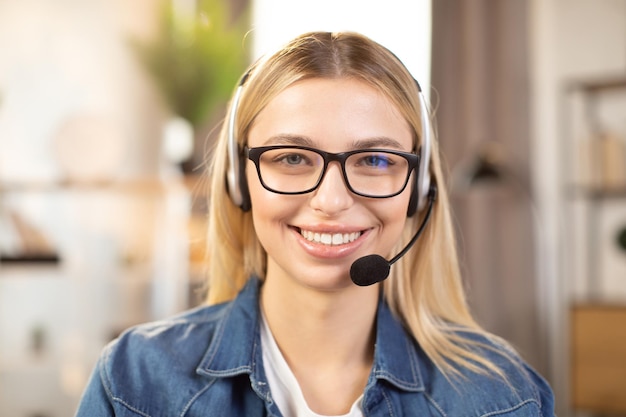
pixel 326 159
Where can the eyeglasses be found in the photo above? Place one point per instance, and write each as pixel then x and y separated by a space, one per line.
pixel 376 173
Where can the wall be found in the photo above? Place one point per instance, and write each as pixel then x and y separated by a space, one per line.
pixel 570 39
pixel 67 59
pixel 401 25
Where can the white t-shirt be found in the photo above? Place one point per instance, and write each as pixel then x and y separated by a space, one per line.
pixel 283 383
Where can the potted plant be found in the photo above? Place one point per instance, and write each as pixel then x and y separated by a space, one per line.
pixel 195 60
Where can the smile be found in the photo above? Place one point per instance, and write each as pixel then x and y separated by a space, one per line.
pixel 330 239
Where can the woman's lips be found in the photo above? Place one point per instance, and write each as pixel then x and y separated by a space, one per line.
pixel 330 239
pixel 330 244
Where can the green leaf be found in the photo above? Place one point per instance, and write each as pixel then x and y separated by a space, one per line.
pixel 196 62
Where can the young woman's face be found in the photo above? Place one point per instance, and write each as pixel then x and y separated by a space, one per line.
pixel 313 238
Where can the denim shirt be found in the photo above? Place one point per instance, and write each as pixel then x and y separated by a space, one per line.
pixel 208 362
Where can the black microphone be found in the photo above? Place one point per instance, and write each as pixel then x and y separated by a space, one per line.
pixel 371 269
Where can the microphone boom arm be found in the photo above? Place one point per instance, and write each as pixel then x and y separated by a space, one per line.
pixel 432 196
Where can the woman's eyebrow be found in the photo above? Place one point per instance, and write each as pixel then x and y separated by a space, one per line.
pixel 288 139
pixel 377 142
pixel 367 143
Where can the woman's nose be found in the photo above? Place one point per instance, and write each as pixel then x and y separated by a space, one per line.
pixel 332 196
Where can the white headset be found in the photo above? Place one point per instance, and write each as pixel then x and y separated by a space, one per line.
pixel 236 180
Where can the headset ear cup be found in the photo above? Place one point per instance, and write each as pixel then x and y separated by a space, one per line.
pixel 412 209
pixel 416 192
pixel 236 181
pixel 246 204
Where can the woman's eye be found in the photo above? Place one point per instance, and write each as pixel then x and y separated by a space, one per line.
pixel 378 161
pixel 292 159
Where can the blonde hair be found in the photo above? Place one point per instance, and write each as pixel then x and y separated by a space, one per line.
pixel 425 289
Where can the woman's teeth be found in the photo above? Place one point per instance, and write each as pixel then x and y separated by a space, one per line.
pixel 330 238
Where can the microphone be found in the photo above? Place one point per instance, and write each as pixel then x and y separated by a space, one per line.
pixel 371 269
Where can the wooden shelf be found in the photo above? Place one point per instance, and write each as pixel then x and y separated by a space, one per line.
pixel 599 85
pixel 596 193
pixel 29 259
pixel 195 184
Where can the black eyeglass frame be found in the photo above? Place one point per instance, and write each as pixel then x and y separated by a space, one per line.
pixel 254 154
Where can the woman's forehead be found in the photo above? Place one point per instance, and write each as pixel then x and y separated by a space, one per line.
pixel 331 111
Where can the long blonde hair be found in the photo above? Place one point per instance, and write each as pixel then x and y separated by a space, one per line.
pixel 425 289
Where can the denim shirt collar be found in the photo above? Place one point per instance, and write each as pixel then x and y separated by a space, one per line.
pixel 236 347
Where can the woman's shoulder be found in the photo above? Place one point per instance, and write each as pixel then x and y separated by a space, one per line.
pixel 173 332
pixel 515 388
pixel 158 357
pixel 154 368
pixel 151 354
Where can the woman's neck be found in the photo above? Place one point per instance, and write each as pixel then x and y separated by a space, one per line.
pixel 326 337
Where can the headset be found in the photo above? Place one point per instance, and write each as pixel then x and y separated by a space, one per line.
pixel 238 186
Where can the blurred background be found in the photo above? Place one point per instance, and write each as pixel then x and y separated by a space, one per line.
pixel 108 110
